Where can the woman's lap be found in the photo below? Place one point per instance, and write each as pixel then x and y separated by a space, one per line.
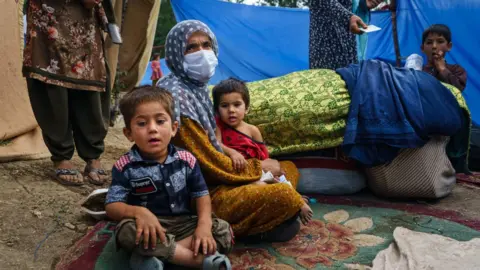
pixel 252 209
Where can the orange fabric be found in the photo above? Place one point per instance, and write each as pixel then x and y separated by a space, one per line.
pixel 250 209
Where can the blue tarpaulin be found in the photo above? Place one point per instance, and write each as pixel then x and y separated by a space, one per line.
pixel 257 42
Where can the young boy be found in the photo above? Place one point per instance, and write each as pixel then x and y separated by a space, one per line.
pixel 436 42
pixel 152 188
pixel 238 139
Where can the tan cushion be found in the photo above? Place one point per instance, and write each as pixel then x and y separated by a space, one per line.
pixel 424 172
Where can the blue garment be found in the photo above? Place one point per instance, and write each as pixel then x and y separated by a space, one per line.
pixel 394 108
pixel 165 189
pixel 361 10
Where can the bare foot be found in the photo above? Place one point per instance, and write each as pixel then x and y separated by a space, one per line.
pixel 305 199
pixel 67 174
pixel 306 214
pixel 94 172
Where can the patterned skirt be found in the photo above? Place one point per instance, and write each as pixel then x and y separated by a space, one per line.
pixel 250 209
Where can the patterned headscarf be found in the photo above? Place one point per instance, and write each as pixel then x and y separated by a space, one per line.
pixel 192 99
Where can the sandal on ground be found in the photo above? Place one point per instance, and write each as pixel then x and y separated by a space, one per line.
pixel 64 172
pixel 88 170
pixel 216 261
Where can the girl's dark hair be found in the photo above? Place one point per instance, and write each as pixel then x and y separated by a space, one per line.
pixel 155 56
pixel 439 29
pixel 228 86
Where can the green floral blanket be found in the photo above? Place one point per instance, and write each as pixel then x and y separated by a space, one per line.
pixel 306 111
pixel 301 111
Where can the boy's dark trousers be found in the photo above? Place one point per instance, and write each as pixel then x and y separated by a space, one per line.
pixel 178 228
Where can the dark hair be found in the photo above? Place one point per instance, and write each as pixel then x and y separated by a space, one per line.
pixel 155 56
pixel 142 94
pixel 230 85
pixel 439 29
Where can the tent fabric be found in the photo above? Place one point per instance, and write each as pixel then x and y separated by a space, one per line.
pixel 112 50
pixel 140 22
pixel 255 42
pixel 413 16
pixel 20 134
pixel 258 42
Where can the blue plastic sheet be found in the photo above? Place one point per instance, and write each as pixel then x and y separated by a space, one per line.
pixel 413 16
pixel 257 42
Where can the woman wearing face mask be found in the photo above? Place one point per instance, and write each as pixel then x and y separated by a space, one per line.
pixel 262 212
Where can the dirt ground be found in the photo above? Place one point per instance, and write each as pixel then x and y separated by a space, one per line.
pixel 33 206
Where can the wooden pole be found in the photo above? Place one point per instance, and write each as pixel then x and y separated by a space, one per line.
pixel 393 9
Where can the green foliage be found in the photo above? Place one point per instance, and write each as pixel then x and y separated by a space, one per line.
pixel 166 20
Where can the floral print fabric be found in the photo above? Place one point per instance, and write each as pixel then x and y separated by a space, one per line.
pixel 332 45
pixel 301 111
pixel 64 45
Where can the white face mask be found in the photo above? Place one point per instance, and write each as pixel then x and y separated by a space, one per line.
pixel 200 65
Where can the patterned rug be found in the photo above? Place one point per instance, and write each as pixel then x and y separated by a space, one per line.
pixel 473 178
pixel 343 232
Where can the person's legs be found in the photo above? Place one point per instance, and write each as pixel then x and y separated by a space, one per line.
pixel 282 233
pixel 223 235
pixel 51 109
pixel 253 209
pixel 89 131
pixel 177 249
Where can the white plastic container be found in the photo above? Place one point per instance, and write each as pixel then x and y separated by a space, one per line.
pixel 99 215
pixel 414 61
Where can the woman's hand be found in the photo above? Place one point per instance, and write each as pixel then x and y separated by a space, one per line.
pixel 355 24
pixel 148 228
pixel 239 162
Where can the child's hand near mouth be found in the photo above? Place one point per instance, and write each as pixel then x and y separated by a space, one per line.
pixel 439 61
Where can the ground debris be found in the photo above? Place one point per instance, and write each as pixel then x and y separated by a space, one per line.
pixel 70 226
pixel 37 213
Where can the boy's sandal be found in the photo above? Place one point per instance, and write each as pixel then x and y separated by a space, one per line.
pixel 99 172
pixel 139 262
pixel 68 172
pixel 216 261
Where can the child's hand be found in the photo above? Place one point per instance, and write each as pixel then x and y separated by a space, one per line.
pixel 203 238
pixel 239 162
pixel 149 227
pixel 260 183
pixel 439 61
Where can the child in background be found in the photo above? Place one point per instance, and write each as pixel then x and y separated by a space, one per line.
pixel 156 70
pixel 152 190
pixel 436 42
pixel 240 140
